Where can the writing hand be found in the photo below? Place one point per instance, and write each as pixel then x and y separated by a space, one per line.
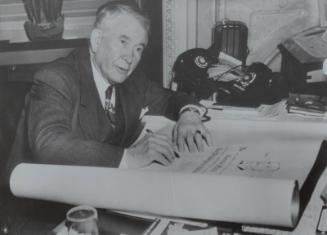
pixel 190 133
pixel 151 148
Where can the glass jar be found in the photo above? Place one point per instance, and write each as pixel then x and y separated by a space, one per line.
pixel 82 220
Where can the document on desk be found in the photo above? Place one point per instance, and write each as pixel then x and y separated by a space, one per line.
pixel 252 175
pixel 250 189
pixel 197 196
pixel 243 131
pixel 283 160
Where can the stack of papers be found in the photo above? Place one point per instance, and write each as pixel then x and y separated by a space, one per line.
pixel 216 111
pixel 309 105
pixel 170 227
pixel 280 111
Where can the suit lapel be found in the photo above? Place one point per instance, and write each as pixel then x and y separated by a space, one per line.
pixel 131 105
pixel 93 119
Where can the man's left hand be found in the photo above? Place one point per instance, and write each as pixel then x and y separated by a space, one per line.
pixel 190 133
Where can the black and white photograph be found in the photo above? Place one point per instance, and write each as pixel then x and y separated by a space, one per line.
pixel 163 117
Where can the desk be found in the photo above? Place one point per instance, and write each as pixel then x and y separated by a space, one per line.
pixel 52 214
pixel 39 217
pixel 26 217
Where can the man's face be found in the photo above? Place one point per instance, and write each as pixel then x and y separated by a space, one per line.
pixel 118 46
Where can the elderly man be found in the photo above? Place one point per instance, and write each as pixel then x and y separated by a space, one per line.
pixel 85 109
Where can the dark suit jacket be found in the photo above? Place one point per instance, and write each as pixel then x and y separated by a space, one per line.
pixel 64 122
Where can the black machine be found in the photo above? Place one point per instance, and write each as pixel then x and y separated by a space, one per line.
pixel 251 87
pixel 252 84
pixel 190 71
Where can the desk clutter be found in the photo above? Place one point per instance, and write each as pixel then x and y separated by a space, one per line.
pixel 297 107
pixel 81 220
pixel 308 105
pixel 156 226
pixel 171 227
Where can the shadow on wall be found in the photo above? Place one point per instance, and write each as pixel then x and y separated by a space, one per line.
pixel 152 59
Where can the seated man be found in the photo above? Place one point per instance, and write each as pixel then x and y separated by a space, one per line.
pixel 85 109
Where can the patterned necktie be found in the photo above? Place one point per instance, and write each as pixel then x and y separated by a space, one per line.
pixel 109 107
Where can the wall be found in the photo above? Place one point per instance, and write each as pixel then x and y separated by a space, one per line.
pixel 79 17
pixel 271 21
pixel 189 23
pixel 152 56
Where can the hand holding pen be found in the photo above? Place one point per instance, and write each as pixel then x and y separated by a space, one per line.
pixel 151 148
pixel 175 152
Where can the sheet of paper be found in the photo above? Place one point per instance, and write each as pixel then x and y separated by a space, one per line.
pixel 236 131
pixel 198 196
pixel 157 124
pixel 229 132
pixel 264 112
pixel 259 188
pixel 308 223
pixel 281 160
pixel 169 227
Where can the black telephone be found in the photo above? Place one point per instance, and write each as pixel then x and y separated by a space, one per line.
pixel 190 74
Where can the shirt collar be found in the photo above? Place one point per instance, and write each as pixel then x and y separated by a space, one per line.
pixel 101 84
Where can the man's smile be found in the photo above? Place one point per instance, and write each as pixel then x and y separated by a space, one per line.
pixel 122 70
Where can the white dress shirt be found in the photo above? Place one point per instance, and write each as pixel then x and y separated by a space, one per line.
pixel 102 85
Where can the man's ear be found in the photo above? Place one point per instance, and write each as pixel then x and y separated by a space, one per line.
pixel 95 39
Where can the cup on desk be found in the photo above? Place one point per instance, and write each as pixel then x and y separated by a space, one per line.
pixel 82 220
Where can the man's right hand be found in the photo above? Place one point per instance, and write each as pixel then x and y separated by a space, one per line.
pixel 151 148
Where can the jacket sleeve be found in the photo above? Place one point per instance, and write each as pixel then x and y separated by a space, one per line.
pixel 50 114
pixel 164 101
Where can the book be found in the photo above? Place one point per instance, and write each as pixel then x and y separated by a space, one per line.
pixel 306 104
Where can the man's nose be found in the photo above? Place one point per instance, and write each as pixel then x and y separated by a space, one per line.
pixel 128 59
pixel 128 56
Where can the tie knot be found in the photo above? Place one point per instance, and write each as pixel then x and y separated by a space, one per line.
pixel 109 92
